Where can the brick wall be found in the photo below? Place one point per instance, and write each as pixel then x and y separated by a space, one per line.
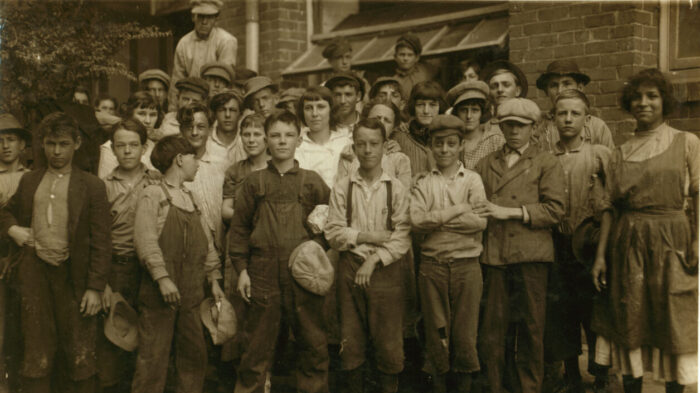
pixel 610 41
pixel 232 18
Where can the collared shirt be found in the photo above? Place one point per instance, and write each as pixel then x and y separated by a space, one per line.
pixel 369 214
pixel 595 132
pixel 585 169
pixel 491 140
pixel 50 218
pixel 225 155
pixel 419 73
pixel 151 212
pixel 207 187
pixel 431 195
pixel 109 162
pixel 323 159
pixel 192 53
pixel 9 181
pixel 513 155
pixel 122 194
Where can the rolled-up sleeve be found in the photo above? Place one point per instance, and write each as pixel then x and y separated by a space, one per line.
pixel 147 233
pixel 423 218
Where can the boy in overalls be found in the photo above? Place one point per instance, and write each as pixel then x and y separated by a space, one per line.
pixel 271 211
pixel 172 243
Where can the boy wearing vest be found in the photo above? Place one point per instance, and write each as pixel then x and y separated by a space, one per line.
pixel 368 224
pixel 449 278
pixel 271 210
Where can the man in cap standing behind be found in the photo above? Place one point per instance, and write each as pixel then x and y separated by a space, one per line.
pixel 190 90
pixel 156 82
pixel 564 75
pixel 409 70
pixel 204 44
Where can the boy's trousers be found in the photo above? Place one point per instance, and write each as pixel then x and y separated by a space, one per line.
pixel 274 296
pixel 450 292
pixel 515 294
pixel 371 315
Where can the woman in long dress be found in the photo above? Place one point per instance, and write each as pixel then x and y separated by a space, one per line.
pixel 648 319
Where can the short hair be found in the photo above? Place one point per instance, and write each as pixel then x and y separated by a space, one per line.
pixel 222 99
pixel 346 82
pixel 185 115
pixel 387 103
pixel 465 64
pixel 165 151
pixel 106 97
pixel 315 93
pixel 485 106
pixel 395 84
pixel 427 90
pixel 285 117
pixel 650 76
pixel 143 100
pixel 573 94
pixel 80 89
pixel 132 125
pixel 58 124
pixel 253 120
pixel 372 124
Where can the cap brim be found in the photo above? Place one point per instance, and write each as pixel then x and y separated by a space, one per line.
pixel 270 85
pixel 219 73
pixel 468 95
pixel 519 119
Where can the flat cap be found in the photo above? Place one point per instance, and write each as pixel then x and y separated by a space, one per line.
pixel 467 90
pixel 192 83
pixel 156 74
pixel 349 77
pixel 493 68
pixel 219 318
pixel 218 69
pixel 311 268
pixel 206 7
pixel 562 68
pixel 521 110
pixel 381 81
pixel 336 48
pixel 232 93
pixel 410 40
pixel 257 83
pixel 447 122
pixel 9 123
pixel 291 94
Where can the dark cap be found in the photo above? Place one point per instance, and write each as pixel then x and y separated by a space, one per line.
pixel 447 122
pixel 562 68
pixel 336 48
pixel 9 123
pixel 492 68
pixel 412 41
pixel 156 74
pixel 349 77
pixel 381 81
pixel 191 83
pixel 218 69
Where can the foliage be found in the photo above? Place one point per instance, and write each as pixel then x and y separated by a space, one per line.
pixel 48 47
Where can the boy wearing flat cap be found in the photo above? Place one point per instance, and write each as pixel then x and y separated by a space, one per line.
pixel 339 55
pixel 564 75
pixel 368 224
pixel 525 191
pixel 348 90
pixel 156 82
pixel 449 278
pixel 261 95
pixel 206 43
pixel 409 70
pixel 219 76
pixel 190 90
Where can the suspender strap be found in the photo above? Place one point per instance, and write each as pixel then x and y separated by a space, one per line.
pixel 389 206
pixel 168 199
pixel 348 205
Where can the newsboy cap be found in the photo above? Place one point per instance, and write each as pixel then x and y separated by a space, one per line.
pixel 257 83
pixel 192 83
pixel 467 90
pixel 311 268
pixel 381 81
pixel 348 76
pixel 9 123
pixel 410 40
pixel 218 69
pixel 156 74
pixel 291 94
pixel 492 69
pixel 562 68
pixel 206 7
pixel 336 48
pixel 521 110
pixel 447 122
pixel 220 319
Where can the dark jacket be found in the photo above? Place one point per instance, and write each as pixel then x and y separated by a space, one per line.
pixel 89 224
pixel 535 181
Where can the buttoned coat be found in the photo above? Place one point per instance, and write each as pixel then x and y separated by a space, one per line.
pixel 535 181
pixel 89 225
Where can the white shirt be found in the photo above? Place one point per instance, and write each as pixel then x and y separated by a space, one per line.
pixel 323 159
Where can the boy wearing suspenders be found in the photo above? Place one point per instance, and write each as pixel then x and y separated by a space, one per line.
pixel 368 224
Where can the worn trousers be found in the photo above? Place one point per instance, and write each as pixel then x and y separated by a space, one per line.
pixel 371 315
pixel 277 298
pixel 450 292
pixel 514 294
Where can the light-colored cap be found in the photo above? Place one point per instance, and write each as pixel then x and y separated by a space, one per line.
pixel 521 110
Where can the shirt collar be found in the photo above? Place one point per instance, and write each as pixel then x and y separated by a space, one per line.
pixel 560 149
pixel 20 168
pixel 273 168
pixel 357 179
pixel 206 157
pixel 461 171
pixel 507 149
pixel 118 175
pixel 410 71
pixel 215 138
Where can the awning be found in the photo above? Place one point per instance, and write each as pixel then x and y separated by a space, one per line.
pixel 439 34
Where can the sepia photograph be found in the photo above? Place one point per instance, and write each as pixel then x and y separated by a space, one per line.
pixel 349 196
